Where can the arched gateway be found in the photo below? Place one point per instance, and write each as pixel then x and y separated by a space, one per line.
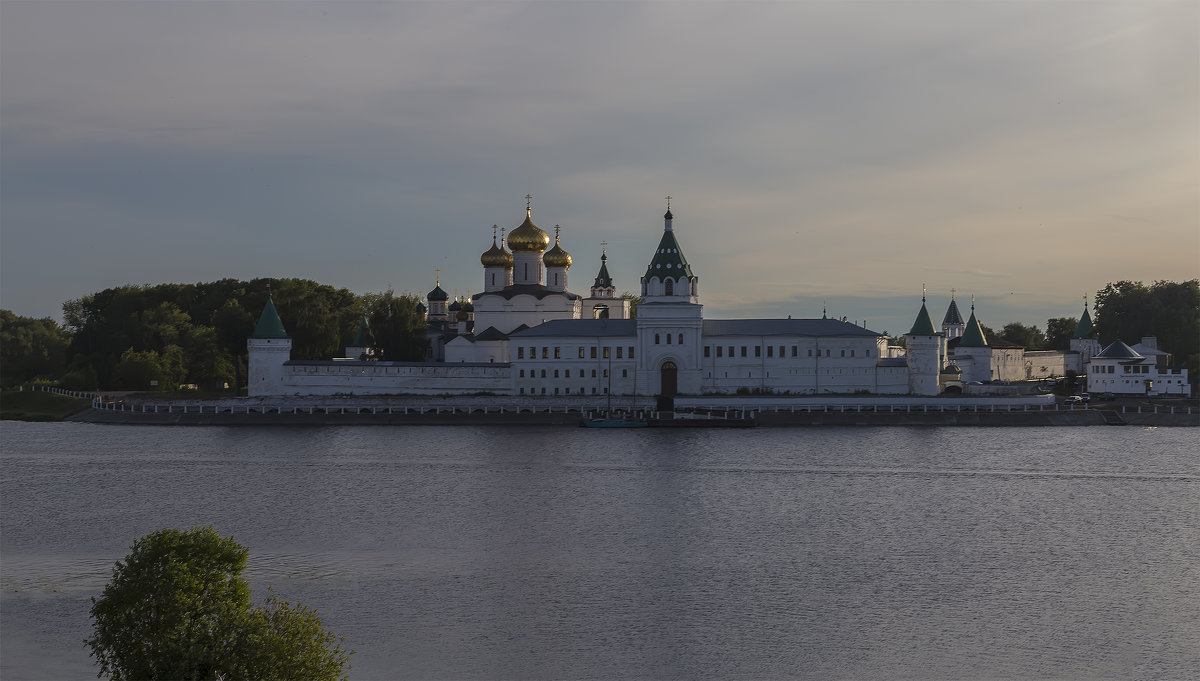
pixel 669 375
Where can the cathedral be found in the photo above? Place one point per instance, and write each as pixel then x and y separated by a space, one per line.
pixel 525 333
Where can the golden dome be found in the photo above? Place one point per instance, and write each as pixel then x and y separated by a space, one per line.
pixel 556 257
pixel 496 256
pixel 528 238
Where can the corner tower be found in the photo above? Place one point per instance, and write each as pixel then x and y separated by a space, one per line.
pixel 925 349
pixel 268 349
pixel 669 321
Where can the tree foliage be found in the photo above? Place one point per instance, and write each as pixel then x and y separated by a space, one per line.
pixel 1028 337
pixel 178 607
pixel 1059 332
pixel 1130 310
pixel 31 348
pixel 208 322
pixel 397 329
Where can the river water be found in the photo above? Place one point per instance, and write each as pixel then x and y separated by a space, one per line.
pixel 570 553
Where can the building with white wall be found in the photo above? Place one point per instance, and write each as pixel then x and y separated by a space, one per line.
pixel 526 333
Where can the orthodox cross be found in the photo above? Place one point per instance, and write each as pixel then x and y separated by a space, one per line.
pixel 603 248
pixel 438 278
pixel 528 199
pixel 668 202
pixel 952 291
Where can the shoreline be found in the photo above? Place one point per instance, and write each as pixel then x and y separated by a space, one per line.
pixel 764 419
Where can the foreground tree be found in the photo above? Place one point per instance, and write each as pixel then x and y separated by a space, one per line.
pixel 178 608
pixel 398 329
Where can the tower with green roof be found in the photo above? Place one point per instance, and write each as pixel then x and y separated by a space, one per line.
pixel 972 353
pixel 925 349
pixel 669 321
pixel 362 347
pixel 268 349
pixel 1084 342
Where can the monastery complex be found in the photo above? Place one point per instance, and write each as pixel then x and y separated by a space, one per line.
pixel 527 333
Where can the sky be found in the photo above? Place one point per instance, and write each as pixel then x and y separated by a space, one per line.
pixel 817 153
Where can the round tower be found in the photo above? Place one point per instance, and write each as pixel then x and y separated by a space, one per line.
pixel 924 354
pixel 527 243
pixel 268 350
pixel 497 265
pixel 557 263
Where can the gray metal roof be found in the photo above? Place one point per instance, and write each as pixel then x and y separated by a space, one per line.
pixel 536 290
pixel 784 327
pixel 355 362
pixel 581 328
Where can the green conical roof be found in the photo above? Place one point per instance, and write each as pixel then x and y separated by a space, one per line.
pixel 1084 329
pixel 668 260
pixel 973 335
pixel 363 338
pixel 923 326
pixel 269 324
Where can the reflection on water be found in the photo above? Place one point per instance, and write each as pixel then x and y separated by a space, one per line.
pixel 480 553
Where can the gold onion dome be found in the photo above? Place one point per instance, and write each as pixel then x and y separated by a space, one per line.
pixel 496 256
pixel 528 238
pixel 556 257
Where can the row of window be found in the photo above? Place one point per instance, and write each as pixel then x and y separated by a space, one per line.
pixel 566 373
pixel 1126 369
pixel 567 391
pixel 719 350
pixel 546 352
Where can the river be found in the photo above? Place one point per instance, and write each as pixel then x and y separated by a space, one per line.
pixel 571 553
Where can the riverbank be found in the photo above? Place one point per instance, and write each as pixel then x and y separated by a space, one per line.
pixel 776 419
pixel 27 405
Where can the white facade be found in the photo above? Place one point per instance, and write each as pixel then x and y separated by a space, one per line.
pixel 527 334
pixel 1122 370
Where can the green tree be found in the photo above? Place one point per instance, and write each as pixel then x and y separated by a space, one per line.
pixel 1059 332
pixel 1129 310
pixel 139 371
pixel 31 348
pixel 178 607
pixel 634 299
pixel 1028 337
pixel 397 328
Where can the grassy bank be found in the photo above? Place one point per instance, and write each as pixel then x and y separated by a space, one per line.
pixel 39 406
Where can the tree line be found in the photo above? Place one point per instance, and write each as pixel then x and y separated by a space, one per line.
pixel 171 334
pixel 166 335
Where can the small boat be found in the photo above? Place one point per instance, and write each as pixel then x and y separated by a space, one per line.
pixel 604 422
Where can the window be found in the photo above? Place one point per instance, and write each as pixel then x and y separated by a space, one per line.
pixel 843 353
pixel 532 353
pixel 556 391
pixel 826 352
pixel 624 373
pixel 743 351
pixel 605 373
pixel 545 352
pixel 557 352
pixel 580 352
pixel 758 351
pixel 543 373
pixel 668 339
pixel 681 339
pixel 731 351
pixel 593 352
pixel 719 349
pixel 567 373
pixel 619 350
pixel 593 373
pixel 770 351
pixel 606 351
pixel 781 349
pixel 556 373
pixel 657 339
pixel 851 352
pixel 707 350
pixel 520 353
pixel 810 352
pixel 522 375
pixel 522 391
pixel 669 287
pixel 630 352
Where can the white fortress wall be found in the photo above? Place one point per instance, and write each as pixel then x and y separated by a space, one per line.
pixel 385 378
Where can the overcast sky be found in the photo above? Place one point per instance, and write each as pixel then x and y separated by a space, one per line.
pixel 1024 152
